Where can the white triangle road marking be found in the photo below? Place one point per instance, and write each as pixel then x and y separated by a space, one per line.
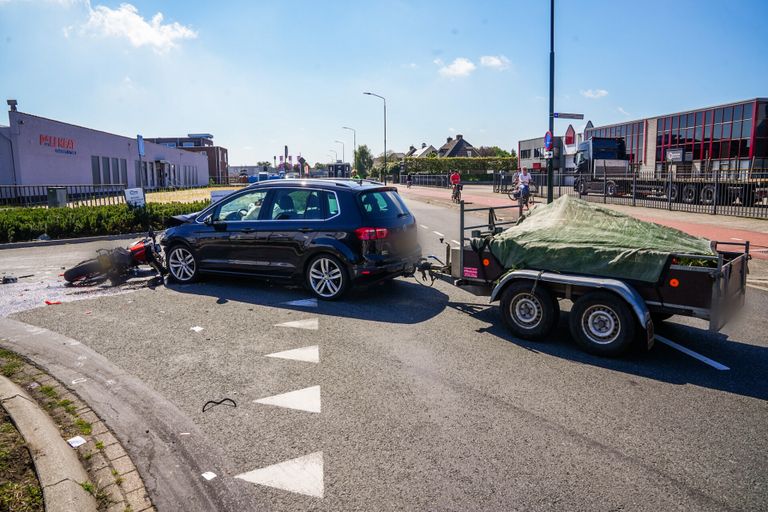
pixel 309 354
pixel 302 475
pixel 196 328
pixel 309 323
pixel 307 303
pixel 307 399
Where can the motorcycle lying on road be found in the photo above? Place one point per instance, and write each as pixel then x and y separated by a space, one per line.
pixel 117 265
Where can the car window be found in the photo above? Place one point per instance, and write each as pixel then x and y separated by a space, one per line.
pixel 332 204
pixel 383 204
pixel 297 204
pixel 242 208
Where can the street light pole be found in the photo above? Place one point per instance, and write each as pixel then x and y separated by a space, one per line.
pixel 354 143
pixel 385 131
pixel 550 161
pixel 343 151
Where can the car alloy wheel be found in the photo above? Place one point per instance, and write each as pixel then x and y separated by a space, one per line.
pixel 182 264
pixel 326 277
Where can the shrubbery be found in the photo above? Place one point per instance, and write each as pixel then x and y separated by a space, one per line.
pixel 22 224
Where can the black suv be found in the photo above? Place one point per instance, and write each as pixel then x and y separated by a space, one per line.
pixel 327 233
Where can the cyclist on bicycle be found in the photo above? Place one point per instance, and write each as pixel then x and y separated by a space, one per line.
pixel 409 180
pixel 455 180
pixel 524 186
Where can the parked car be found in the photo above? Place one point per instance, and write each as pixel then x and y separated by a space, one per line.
pixel 328 234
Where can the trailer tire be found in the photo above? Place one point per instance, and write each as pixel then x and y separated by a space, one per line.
pixel 708 195
pixel 529 310
pixel 602 324
pixel 611 189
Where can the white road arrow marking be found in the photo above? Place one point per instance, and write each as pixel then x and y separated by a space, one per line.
pixel 307 303
pixel 309 354
pixel 303 475
pixel 310 323
pixel 307 399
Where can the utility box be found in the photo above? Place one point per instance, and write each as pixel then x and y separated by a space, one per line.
pixel 57 197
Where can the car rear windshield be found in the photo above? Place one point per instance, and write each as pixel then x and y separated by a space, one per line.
pixel 383 204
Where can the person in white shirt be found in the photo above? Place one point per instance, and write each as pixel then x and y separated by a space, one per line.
pixel 524 185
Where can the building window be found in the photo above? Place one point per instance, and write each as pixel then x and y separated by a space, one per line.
pixel 124 171
pixel 137 170
pixel 115 171
pixel 105 175
pixel 95 171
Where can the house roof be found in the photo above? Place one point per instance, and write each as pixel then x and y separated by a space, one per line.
pixel 457 147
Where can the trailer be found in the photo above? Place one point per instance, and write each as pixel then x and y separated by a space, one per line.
pixel 608 314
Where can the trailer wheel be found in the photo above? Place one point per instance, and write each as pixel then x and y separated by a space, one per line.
pixel 674 193
pixel 529 310
pixel 611 189
pixel 602 324
pixel 689 194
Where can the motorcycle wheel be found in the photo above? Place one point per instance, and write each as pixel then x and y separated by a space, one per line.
pixel 83 271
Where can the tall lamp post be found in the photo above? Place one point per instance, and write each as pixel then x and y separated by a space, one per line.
pixel 550 171
pixel 385 131
pixel 343 151
pixel 354 142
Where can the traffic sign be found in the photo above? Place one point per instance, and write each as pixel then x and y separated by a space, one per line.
pixel 563 115
pixel 548 140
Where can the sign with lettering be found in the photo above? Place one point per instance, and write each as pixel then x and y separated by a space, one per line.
pixel 675 155
pixel 135 197
pixel 62 145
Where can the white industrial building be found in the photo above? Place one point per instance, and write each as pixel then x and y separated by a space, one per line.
pixel 39 151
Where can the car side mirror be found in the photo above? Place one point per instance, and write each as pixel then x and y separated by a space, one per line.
pixel 208 220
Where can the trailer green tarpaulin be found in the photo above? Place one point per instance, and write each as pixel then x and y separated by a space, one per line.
pixel 574 236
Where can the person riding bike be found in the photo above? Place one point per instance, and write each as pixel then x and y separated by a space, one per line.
pixel 409 181
pixel 523 192
pixel 455 180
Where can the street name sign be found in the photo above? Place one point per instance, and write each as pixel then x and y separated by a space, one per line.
pixel 563 115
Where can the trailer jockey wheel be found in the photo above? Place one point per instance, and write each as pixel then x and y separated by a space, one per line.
pixel 602 323
pixel 529 310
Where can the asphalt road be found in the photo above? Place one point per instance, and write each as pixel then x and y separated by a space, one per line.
pixel 429 404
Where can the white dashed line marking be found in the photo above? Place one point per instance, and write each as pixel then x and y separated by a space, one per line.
pixel 309 354
pixel 303 475
pixel 422 226
pixel 695 355
pixel 438 233
pixel 455 242
pixel 79 381
pixel 739 239
pixel 307 399
pixel 310 323
pixel 196 328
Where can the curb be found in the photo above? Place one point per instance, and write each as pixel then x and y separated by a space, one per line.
pixel 62 241
pixel 56 464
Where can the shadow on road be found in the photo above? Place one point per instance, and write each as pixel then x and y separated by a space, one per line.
pixel 401 301
pixel 748 363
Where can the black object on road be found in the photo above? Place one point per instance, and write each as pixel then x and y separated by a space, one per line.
pixel 224 401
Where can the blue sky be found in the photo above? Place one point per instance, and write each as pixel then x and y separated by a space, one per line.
pixel 259 75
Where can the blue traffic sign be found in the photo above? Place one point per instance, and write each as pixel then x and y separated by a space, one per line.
pixel 548 141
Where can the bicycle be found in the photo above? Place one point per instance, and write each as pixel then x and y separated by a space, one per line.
pixel 524 199
pixel 456 194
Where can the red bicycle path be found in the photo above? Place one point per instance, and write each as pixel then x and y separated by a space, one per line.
pixel 711 227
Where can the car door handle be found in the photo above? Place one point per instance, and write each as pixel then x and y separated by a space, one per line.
pixel 305 230
pixel 247 230
pixel 278 236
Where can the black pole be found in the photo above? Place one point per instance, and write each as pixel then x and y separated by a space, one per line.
pixel 550 171
pixel 385 141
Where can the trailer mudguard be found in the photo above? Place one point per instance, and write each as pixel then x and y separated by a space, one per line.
pixel 620 288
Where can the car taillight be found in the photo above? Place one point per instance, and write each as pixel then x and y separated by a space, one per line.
pixel 371 233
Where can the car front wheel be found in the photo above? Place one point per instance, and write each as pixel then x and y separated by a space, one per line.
pixel 326 277
pixel 182 264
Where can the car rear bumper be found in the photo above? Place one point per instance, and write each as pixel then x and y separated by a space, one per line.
pixel 373 270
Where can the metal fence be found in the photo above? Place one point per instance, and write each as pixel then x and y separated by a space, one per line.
pixel 442 180
pixel 720 192
pixel 76 195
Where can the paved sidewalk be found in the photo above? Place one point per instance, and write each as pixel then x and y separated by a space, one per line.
pixel 714 227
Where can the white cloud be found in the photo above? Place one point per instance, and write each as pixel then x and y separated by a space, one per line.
pixel 459 67
pixel 594 94
pixel 498 62
pixel 623 112
pixel 126 22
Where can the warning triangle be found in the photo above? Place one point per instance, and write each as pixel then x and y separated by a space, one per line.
pixel 303 475
pixel 307 399
pixel 307 303
pixel 309 354
pixel 310 323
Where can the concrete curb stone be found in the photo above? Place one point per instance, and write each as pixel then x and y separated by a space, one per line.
pixel 57 465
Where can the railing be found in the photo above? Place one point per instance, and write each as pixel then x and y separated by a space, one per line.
pixel 443 180
pixel 738 193
pixel 76 195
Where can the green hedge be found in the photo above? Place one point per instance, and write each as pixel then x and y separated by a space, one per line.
pixel 22 224
pixel 463 165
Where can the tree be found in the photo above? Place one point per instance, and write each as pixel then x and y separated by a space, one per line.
pixel 493 151
pixel 363 160
pixel 319 166
pixel 263 163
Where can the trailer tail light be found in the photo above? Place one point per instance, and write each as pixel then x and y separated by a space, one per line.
pixel 371 233
pixel 674 283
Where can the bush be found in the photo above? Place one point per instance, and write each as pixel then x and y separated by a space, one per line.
pixel 465 166
pixel 22 224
